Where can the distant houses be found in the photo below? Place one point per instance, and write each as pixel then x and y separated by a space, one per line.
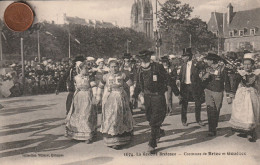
pixel 237 31
pixel 64 19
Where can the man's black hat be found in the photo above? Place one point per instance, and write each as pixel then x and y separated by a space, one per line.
pixel 145 53
pixel 78 58
pixel 187 52
pixel 213 56
pixel 246 51
pixel 232 56
pixel 127 56
pixel 164 58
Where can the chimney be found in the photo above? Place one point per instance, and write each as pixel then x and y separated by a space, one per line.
pixel 229 13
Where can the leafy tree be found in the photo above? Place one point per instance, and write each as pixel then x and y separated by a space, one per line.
pixel 84 40
pixel 179 31
pixel 171 12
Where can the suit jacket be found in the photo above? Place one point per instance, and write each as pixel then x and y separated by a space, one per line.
pixel 196 82
pixel 67 80
pixel 160 86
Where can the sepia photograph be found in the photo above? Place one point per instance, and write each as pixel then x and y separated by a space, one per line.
pixel 129 82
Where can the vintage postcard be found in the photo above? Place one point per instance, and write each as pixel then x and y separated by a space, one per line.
pixel 136 82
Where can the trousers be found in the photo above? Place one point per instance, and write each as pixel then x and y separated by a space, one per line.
pixel 155 111
pixel 187 89
pixel 214 104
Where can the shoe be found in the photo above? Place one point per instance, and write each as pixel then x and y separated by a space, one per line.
pixel 243 135
pixel 89 141
pixel 151 150
pixel 252 137
pixel 116 147
pixel 169 113
pixel 185 124
pixel 201 123
pixel 211 134
pixel 162 133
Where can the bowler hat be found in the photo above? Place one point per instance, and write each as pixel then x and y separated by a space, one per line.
pixel 187 52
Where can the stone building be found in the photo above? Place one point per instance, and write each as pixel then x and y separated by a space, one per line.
pixel 237 31
pixel 142 17
pixel 64 19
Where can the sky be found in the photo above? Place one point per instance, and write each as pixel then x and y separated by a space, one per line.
pixel 119 11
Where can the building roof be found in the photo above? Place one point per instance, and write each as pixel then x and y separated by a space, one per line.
pixel 245 19
pixel 241 20
pixel 219 19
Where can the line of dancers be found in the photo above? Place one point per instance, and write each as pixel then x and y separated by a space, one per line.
pixel 114 91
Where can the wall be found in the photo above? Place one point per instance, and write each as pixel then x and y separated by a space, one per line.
pixel 233 44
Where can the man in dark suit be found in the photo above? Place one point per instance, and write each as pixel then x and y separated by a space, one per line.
pixel 152 80
pixel 191 88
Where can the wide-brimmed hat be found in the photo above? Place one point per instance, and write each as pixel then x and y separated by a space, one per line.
pixel 187 52
pixel 145 53
pixel 213 56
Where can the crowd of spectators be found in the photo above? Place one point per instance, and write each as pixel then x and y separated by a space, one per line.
pixel 43 77
pixel 39 78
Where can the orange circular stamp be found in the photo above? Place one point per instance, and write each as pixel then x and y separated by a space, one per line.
pixel 18 16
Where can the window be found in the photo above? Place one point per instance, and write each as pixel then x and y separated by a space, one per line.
pixel 231 33
pixel 241 32
pixel 235 32
pixel 245 30
pixel 252 31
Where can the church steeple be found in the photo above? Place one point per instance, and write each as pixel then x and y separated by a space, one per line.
pixel 142 17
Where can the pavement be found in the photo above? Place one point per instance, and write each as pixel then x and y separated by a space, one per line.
pixel 32 129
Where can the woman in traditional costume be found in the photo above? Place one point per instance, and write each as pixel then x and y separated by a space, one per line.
pixel 99 72
pixel 245 116
pixel 81 121
pixel 117 120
